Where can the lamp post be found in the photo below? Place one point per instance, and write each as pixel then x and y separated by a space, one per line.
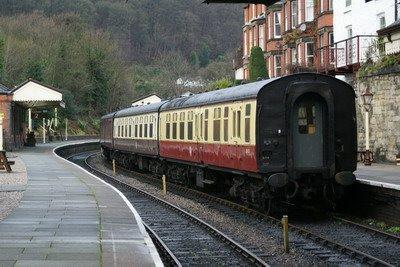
pixel 367 99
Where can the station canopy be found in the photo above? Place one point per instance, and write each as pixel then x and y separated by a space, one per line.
pixel 265 2
pixel 33 94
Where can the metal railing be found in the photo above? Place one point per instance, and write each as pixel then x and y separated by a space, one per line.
pixel 348 54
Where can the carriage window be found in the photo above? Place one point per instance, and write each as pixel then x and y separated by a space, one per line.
pixel 141 130
pixel 145 130
pixel 306 118
pixel 167 131
pixel 119 131
pixel 174 126
pixel 234 124
pixel 201 125
pixel 190 130
pixel 182 130
pixel 238 123
pixel 226 113
pixel 206 125
pixel 136 130
pixel 151 130
pixel 247 123
pixel 248 110
pixel 190 126
pixel 126 131
pixel 130 130
pixel 217 124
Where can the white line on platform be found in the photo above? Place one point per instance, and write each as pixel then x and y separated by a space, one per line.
pixel 153 251
pixel 379 184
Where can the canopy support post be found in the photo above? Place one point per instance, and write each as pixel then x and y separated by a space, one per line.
pixel 30 120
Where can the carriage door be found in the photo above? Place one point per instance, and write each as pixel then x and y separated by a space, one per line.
pixel 307 121
pixel 236 135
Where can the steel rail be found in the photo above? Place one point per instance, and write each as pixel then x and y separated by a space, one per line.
pixel 167 253
pixel 326 242
pixel 372 230
pixel 251 257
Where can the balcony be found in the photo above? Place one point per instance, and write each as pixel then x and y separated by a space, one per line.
pixel 347 55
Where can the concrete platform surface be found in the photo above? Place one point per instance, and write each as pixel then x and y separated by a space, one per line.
pixel 381 175
pixel 67 217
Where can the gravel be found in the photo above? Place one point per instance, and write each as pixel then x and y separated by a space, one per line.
pixel 12 186
pixel 255 235
pixel 357 238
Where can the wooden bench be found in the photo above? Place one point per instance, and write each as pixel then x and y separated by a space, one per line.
pixel 5 164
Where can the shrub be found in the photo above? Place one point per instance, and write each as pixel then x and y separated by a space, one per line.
pixel 257 66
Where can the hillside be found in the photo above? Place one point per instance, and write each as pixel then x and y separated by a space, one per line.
pixel 103 54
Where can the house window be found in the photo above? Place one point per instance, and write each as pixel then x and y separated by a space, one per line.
pixel 381 20
pixel 348 3
pixel 321 5
pixel 278 65
pixel 261 36
pixel 310 54
pixel 255 36
pixel 254 10
pixel 309 10
pixel 330 5
pixel 294 14
pixel 331 41
pixel 322 48
pixel 277 24
pixel 286 10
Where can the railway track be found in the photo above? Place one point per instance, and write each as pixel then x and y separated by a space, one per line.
pixel 183 238
pixel 324 247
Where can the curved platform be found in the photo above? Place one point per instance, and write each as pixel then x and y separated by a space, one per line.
pixel 380 175
pixel 68 217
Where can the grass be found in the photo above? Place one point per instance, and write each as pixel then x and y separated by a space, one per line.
pixel 382 226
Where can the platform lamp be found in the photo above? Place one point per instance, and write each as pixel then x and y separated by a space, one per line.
pixel 367 99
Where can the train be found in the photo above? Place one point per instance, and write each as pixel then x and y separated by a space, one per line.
pixel 291 138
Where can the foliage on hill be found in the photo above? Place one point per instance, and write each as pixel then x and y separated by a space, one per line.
pixel 104 53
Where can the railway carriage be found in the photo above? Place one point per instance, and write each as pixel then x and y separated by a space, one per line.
pixel 290 137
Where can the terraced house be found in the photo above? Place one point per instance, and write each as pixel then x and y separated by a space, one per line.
pixel 290 32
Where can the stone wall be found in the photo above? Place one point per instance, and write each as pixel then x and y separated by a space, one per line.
pixel 384 115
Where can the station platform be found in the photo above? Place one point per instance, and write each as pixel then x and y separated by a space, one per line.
pixel 380 175
pixel 67 217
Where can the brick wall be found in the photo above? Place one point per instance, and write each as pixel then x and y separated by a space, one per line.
pixel 5 108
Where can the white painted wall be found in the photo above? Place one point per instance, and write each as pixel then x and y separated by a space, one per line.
pixel 148 100
pixel 32 91
pixel 362 16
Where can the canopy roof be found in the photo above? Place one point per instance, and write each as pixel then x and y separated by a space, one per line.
pixel 32 93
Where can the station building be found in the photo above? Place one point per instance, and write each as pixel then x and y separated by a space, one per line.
pixel 20 108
